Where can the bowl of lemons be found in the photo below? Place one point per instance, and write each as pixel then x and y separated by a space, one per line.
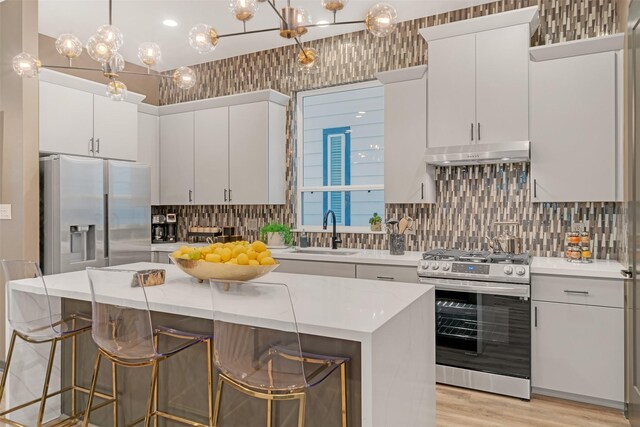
pixel 236 261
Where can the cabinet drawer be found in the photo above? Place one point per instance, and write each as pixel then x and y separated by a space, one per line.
pixel 317 268
pixel 577 290
pixel 387 272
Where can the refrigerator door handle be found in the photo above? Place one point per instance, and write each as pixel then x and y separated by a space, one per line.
pixel 106 227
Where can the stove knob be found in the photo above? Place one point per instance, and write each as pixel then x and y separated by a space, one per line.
pixel 520 271
pixel 508 270
pixel 425 265
pixel 445 266
pixel 435 266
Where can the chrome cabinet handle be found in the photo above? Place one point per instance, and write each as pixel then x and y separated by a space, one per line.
pixel 422 191
pixel 568 291
pixel 478 131
pixel 535 188
pixel 535 317
pixel 225 194
pixel 472 131
pixel 98 145
pixel 190 193
pixel 91 145
pixel 229 194
pixel 386 278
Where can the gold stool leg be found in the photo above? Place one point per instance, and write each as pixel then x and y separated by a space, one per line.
pixel 269 412
pixel 114 388
pixel 92 391
pixel 343 386
pixel 154 409
pixel 47 379
pixel 210 381
pixel 154 378
pixel 303 400
pixel 216 408
pixel 5 372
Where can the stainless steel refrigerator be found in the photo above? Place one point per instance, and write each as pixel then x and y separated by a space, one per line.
pixel 95 213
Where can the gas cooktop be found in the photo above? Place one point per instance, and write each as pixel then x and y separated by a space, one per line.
pixel 475 265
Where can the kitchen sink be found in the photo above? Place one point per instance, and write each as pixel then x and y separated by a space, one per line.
pixel 321 251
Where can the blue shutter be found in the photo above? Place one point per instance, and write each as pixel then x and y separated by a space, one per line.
pixel 336 172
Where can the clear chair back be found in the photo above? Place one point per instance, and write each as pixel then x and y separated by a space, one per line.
pixel 256 340
pixel 32 314
pixel 124 332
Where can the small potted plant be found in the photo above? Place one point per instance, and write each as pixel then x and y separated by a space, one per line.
pixel 376 222
pixel 276 235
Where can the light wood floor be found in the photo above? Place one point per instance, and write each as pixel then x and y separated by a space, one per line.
pixel 457 407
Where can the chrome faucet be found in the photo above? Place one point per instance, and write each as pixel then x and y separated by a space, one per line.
pixel 335 241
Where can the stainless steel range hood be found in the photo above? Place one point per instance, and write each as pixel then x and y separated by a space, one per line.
pixel 474 154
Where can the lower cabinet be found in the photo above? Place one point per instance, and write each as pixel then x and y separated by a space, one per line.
pixel 160 257
pixel 317 268
pixel 388 273
pixel 577 349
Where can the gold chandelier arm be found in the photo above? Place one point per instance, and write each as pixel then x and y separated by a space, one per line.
pixel 275 9
pixel 65 67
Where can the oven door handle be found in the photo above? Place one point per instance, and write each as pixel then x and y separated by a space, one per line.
pixel 487 288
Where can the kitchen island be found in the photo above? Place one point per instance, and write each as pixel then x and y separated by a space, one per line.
pixel 387 329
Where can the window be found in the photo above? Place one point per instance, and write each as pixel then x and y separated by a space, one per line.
pixel 341 155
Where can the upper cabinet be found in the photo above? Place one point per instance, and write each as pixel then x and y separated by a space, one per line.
pixel 227 150
pixel 76 118
pixel 148 146
pixel 479 79
pixel 407 179
pixel 576 111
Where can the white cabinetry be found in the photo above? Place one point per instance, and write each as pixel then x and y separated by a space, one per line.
pixel 578 347
pixel 176 159
pixel 76 118
pixel 149 150
pixel 574 116
pixel 406 177
pixel 233 153
pixel 211 156
pixel 479 79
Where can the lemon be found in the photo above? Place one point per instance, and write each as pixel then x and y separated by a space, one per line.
pixel 233 261
pixel 229 245
pixel 267 261
pixel 206 250
pixel 176 254
pixel 264 254
pixel 238 250
pixel 184 256
pixel 253 262
pixel 226 254
pixel 258 246
pixel 194 254
pixel 215 258
pixel 243 259
pixel 252 254
pixel 185 249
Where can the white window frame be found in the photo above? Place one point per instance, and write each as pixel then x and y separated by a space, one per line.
pixel 300 159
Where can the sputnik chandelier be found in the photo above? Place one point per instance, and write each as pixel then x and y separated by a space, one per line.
pixel 103 47
pixel 380 21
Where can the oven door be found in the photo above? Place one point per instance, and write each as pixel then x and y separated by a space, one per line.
pixel 483 326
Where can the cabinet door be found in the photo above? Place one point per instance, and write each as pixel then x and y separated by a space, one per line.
pixel 502 79
pixel 388 273
pixel 176 159
pixel 573 128
pixel 211 160
pixel 66 120
pixel 317 268
pixel 115 128
pixel 405 140
pixel 149 150
pixel 249 153
pixel 578 349
pixel 452 90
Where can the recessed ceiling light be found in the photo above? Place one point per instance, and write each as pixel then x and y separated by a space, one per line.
pixel 323 23
pixel 362 112
pixel 170 23
pixel 358 117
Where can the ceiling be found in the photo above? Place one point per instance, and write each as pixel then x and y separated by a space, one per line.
pixel 141 20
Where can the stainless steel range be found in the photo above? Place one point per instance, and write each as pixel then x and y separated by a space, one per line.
pixel 483 319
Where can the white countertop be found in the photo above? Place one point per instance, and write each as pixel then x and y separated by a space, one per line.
pixel 170 247
pixel 326 306
pixel 363 256
pixel 599 268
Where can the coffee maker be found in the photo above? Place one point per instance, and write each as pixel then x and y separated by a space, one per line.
pixel 171 227
pixel 158 228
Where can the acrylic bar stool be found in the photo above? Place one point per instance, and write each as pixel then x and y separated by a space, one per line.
pixel 263 358
pixel 127 337
pixel 36 318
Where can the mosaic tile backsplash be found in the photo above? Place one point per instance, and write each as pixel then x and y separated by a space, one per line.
pixel 470 199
